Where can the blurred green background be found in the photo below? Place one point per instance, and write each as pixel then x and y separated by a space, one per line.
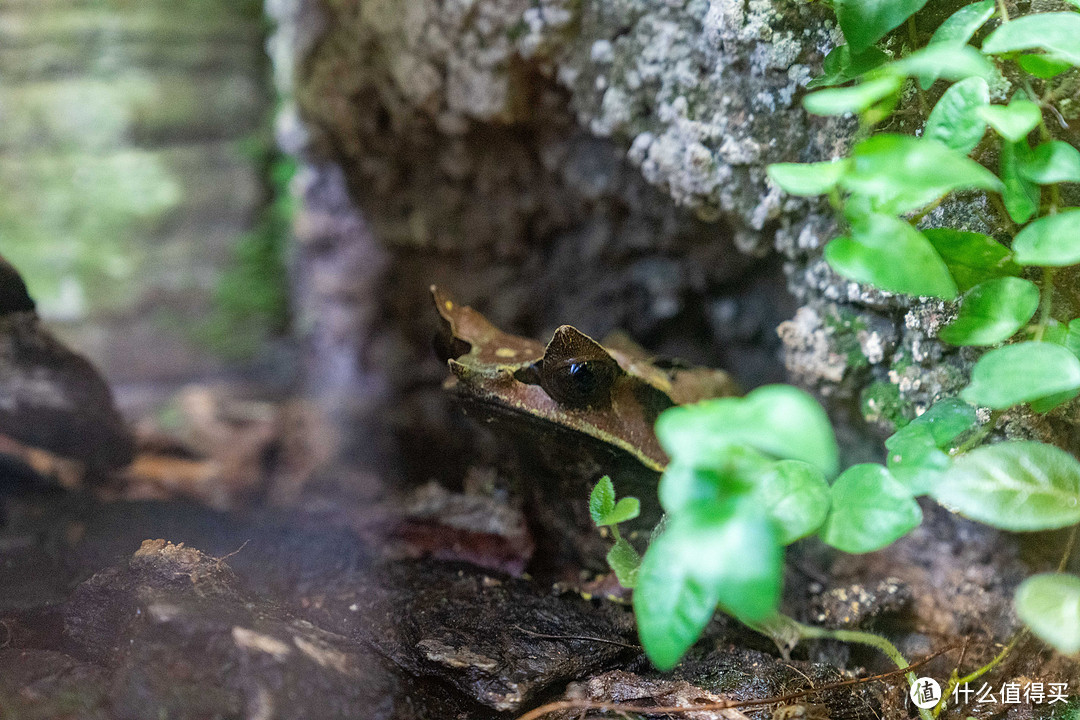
pixel 140 193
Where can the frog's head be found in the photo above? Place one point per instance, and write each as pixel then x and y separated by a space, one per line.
pixel 612 394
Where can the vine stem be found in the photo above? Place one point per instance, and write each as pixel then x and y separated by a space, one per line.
pixel 955 681
pixel 1045 303
pixel 809 632
pixel 1003 11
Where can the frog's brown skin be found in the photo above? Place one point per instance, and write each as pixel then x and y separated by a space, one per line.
pixel 575 409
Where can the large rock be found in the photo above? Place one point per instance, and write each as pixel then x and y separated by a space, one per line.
pixel 51 397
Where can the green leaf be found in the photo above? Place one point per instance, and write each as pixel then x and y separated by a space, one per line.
pixel 1021 373
pixel 959 27
pixel 1072 337
pixel 624 561
pixel 780 420
pixel 672 606
pixel 1058 33
pixel 840 66
pixel 971 257
pixel 795 495
pixel 954 121
pixel 700 560
pixel 626 509
pixel 1043 66
pixel 1052 162
pixel 900 173
pixel 864 22
pixel 1048 403
pixel 601 500
pixel 870 509
pixel 1049 604
pixel 1051 240
pixel 1017 485
pixel 1013 121
pixel 992 312
pixel 915 455
pixel 808 178
pixel 943 60
pixel 1021 196
pixel 947 419
pixel 914 459
pixel 890 254
pixel 712 478
pixel 855 99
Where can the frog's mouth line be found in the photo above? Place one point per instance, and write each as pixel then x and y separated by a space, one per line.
pixel 491 409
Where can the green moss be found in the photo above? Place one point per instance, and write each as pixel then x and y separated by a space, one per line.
pixel 251 301
pixel 882 403
pixel 844 327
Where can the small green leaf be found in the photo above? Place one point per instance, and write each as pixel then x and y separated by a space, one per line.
pixel 696 562
pixel 954 121
pixel 992 312
pixel 915 455
pixel 870 509
pixel 864 22
pixel 1052 162
pixel 900 173
pixel 1043 66
pixel 840 66
pixel 1049 604
pixel 1020 195
pixel 890 254
pixel 1013 121
pixel 1020 373
pixel 1058 33
pixel 601 500
pixel 780 420
pixel 626 509
pixel 951 62
pixel 1015 485
pixel 1051 240
pixel 855 99
pixel 971 257
pixel 796 497
pixel 624 561
pixel 947 419
pixel 808 178
pixel 914 459
pixel 959 27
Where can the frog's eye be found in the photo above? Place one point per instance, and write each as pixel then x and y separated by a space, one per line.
pixel 580 383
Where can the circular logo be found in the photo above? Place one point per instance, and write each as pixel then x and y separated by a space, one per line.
pixel 925 693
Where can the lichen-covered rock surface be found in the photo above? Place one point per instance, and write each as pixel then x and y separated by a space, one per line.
pixel 599 164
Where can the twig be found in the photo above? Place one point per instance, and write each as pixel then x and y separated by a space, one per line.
pixel 706 707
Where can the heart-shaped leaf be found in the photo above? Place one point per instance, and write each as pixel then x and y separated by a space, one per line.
pixel 870 509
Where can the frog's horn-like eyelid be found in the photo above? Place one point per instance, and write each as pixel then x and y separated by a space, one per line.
pixel 569 343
